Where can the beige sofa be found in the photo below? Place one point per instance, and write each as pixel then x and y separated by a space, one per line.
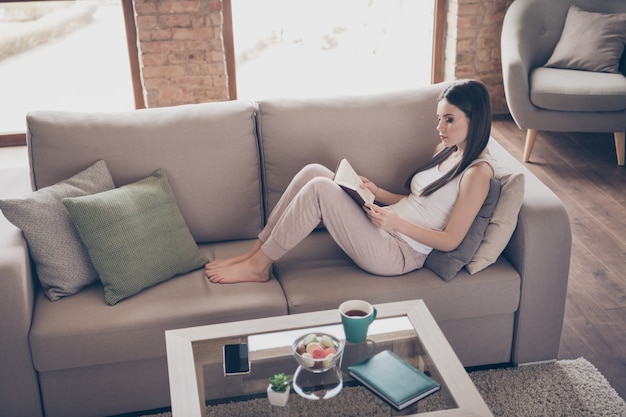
pixel 227 164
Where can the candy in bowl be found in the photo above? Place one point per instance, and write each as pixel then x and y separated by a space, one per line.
pixel 317 352
pixel 319 375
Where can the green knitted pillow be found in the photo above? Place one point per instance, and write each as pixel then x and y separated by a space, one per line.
pixel 135 235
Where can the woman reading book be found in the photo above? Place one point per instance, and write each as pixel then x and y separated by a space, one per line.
pixel 394 236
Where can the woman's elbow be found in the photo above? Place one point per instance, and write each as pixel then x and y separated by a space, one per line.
pixel 450 244
pixel 447 247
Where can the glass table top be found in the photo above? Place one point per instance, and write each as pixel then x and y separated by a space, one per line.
pixel 195 358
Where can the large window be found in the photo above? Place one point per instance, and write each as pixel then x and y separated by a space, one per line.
pixel 79 55
pixel 306 48
pixel 62 55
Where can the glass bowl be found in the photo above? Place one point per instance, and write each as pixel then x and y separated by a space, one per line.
pixel 317 352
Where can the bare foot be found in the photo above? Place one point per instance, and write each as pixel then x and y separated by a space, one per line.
pixel 220 263
pixel 217 264
pixel 254 269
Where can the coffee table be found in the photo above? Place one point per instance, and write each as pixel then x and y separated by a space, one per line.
pixel 195 357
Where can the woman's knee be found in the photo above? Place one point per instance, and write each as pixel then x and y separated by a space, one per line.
pixel 323 192
pixel 325 186
pixel 316 170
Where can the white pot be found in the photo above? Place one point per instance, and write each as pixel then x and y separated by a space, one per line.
pixel 277 398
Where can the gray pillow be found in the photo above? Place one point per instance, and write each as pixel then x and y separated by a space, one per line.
pixel 448 264
pixel 61 261
pixel 503 222
pixel 135 235
pixel 590 41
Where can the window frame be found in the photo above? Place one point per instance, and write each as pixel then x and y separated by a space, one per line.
pixel 19 138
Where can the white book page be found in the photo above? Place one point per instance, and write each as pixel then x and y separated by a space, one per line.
pixel 347 176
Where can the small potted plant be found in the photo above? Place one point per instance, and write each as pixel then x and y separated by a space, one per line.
pixel 278 389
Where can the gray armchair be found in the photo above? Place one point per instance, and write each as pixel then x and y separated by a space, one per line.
pixel 554 99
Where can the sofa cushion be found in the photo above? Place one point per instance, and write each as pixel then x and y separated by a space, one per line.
pixel 134 329
pixel 207 149
pixel 135 236
pixel 572 90
pixel 61 260
pixel 294 133
pixel 590 41
pixel 448 264
pixel 317 274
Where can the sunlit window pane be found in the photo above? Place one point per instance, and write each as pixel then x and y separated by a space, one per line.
pixel 307 48
pixel 62 55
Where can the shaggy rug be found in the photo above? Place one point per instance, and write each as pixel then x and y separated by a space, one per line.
pixel 569 388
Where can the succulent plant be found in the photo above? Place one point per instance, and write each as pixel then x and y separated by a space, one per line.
pixel 280 382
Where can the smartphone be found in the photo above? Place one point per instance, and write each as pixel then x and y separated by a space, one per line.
pixel 236 359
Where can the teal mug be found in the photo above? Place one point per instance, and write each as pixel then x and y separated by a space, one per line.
pixel 356 317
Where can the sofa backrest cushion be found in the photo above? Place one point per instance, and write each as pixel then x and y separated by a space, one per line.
pixel 207 151
pixel 384 136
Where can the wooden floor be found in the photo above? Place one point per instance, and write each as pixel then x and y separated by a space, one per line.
pixel 582 171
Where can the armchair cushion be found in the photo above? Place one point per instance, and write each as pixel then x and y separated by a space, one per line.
pixel 573 90
pixel 135 235
pixel 590 41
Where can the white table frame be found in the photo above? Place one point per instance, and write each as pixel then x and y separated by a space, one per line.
pixel 190 348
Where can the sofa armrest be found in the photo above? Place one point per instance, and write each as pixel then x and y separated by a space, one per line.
pixel 19 387
pixel 540 250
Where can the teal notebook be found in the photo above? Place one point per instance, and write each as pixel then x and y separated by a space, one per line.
pixel 393 379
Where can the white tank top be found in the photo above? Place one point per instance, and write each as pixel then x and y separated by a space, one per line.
pixel 433 211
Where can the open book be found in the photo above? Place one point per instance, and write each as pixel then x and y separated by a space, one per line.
pixel 347 178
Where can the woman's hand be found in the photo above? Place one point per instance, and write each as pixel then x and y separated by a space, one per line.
pixel 382 196
pixel 367 184
pixel 383 217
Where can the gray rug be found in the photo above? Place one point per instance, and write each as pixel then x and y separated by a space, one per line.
pixel 569 388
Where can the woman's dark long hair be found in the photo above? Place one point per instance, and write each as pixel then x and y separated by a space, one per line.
pixel 472 98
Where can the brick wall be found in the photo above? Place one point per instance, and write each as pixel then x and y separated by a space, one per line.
pixel 181 51
pixel 183 61
pixel 473 44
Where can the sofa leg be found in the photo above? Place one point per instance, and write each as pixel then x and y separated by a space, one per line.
pixel 531 136
pixel 619 146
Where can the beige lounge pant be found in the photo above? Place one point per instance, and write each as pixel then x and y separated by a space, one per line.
pixel 312 197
